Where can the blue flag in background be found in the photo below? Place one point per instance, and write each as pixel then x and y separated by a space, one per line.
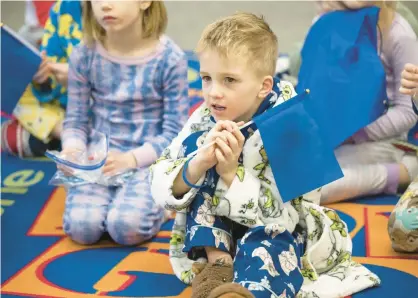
pixel 19 63
pixel 342 69
pixel 299 154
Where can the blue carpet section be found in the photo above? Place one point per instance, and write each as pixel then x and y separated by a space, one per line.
pixel 36 261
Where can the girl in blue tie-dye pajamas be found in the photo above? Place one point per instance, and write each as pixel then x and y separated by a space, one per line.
pixel 128 80
pixel 233 235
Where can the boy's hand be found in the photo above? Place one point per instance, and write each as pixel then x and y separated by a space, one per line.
pixel 119 162
pixel 228 150
pixel 207 157
pixel 409 82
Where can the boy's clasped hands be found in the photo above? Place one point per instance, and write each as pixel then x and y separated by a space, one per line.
pixel 224 155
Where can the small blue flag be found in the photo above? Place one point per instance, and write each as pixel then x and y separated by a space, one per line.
pixel 300 157
pixel 342 68
pixel 19 63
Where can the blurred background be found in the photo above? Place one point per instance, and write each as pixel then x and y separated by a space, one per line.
pixel 289 19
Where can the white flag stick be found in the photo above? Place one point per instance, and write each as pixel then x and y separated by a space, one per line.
pixel 213 143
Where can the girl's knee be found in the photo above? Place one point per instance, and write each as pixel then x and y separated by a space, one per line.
pixel 81 228
pixel 133 227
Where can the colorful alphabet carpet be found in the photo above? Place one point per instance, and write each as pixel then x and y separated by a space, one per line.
pixel 38 260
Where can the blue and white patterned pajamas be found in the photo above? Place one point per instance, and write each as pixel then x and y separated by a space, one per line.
pixel 267 258
pixel 268 263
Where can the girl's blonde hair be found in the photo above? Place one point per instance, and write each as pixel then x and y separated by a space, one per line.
pixel 386 14
pixel 154 22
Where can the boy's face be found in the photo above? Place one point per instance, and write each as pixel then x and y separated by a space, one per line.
pixel 231 89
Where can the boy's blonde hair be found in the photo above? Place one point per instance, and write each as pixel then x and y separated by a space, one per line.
pixel 243 34
pixel 154 22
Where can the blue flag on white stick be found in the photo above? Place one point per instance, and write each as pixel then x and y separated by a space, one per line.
pixel 19 63
pixel 342 68
pixel 299 154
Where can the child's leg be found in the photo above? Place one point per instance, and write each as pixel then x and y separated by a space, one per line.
pixel 370 168
pixel 212 233
pixel 360 180
pixel 368 153
pixel 42 120
pixel 403 221
pixel 85 212
pixel 133 215
pixel 267 263
pixel 219 256
pixel 35 130
pixel 16 140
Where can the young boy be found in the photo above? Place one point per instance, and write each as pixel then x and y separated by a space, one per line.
pixel 227 202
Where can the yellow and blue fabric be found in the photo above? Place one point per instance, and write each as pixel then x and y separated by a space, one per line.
pixel 63 31
pixel 42 106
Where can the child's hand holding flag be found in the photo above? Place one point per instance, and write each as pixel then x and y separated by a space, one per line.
pixel 228 150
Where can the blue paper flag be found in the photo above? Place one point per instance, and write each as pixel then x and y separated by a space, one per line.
pixel 19 63
pixel 298 152
pixel 342 69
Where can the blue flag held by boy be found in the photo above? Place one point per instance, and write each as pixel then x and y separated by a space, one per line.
pixel 298 152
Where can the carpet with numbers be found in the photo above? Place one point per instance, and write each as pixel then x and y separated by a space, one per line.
pixel 38 260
